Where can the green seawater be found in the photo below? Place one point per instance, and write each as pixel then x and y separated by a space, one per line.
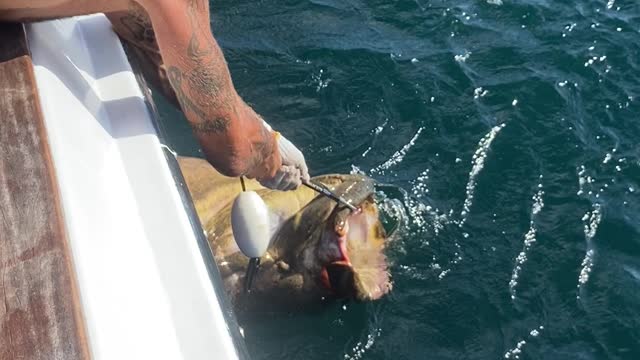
pixel 506 137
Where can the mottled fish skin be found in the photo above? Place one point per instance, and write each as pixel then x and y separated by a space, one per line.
pixel 289 273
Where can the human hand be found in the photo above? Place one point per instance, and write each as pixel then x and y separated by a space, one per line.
pixel 286 178
pixel 294 167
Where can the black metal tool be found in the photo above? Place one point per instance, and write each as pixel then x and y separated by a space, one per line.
pixel 252 270
pixel 328 193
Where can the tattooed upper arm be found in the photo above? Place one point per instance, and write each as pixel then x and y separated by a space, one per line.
pixel 199 86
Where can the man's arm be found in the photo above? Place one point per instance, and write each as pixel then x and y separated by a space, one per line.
pixel 133 26
pixel 231 134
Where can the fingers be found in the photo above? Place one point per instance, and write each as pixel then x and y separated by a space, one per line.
pixel 293 180
pixel 286 178
pixel 304 171
pixel 292 156
pixel 285 166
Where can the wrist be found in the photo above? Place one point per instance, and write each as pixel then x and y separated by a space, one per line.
pixel 247 147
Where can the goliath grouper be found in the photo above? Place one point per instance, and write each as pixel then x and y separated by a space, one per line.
pixel 319 250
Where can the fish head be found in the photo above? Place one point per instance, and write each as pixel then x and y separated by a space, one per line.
pixel 342 251
pixel 351 252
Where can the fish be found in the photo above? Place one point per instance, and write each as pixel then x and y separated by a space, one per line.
pixel 319 251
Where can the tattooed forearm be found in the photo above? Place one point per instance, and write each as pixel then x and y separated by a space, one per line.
pixel 216 125
pixel 175 78
pixel 196 50
pixel 206 83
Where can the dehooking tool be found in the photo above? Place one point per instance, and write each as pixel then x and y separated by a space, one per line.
pixel 328 193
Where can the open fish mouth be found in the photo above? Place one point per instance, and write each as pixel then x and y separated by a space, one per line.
pixel 352 254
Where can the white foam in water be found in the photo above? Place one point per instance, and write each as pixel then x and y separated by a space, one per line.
pixel 421 214
pixel 423 218
pixel 517 351
pixel 591 226
pixel 420 188
pixel 379 128
pixel 538 202
pixel 591 222
pixel 462 57
pixel 610 4
pixel 443 274
pixel 494 2
pixel 529 240
pixel 399 155
pixel 356 170
pixel 587 265
pixel 477 163
pixel 412 272
pixel 361 347
pixel 582 180
pixel 321 83
pixel 479 92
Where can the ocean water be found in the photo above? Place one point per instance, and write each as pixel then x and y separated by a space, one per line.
pixel 504 134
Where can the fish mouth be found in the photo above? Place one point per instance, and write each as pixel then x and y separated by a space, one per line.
pixel 339 278
pixel 353 255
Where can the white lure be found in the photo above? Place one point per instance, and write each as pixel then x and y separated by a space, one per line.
pixel 250 224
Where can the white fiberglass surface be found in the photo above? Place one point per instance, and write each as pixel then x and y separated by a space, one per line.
pixel 143 284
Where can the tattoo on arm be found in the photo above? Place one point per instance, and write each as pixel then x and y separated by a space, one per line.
pixel 199 89
pixel 208 126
